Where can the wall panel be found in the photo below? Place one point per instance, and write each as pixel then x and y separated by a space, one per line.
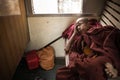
pixel 14 37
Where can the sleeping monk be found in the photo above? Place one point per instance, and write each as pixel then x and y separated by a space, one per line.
pixel 90 57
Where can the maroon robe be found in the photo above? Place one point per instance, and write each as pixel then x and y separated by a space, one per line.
pixel 104 41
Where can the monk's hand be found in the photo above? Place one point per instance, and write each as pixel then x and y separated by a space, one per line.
pixel 110 70
pixel 66 49
pixel 76 28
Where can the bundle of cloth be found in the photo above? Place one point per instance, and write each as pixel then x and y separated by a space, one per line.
pixel 94 51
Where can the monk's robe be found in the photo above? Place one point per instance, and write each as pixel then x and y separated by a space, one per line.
pixel 104 42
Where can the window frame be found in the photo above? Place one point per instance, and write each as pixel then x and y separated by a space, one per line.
pixel 30 14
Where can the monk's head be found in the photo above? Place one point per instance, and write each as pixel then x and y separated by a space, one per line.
pixel 81 25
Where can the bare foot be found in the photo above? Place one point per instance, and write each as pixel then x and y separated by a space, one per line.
pixel 110 70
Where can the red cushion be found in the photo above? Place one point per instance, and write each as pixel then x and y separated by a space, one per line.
pixel 32 60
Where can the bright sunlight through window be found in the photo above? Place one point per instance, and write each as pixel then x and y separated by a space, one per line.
pixel 57 6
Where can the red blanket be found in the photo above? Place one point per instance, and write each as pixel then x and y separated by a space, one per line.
pixel 105 41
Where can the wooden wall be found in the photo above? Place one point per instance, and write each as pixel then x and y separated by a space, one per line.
pixel 14 37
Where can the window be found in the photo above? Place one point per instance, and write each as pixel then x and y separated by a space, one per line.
pixel 56 6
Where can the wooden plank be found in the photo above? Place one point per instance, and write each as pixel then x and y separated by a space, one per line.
pixel 102 19
pixel 113 20
pixel 113 13
pixel 106 19
pixel 115 1
pixel 116 7
pixel 103 24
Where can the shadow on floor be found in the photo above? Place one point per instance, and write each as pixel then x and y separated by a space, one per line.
pixel 23 73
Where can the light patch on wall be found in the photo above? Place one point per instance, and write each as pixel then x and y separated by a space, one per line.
pixel 9 7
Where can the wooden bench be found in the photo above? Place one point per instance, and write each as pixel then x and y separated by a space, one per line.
pixel 111 16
